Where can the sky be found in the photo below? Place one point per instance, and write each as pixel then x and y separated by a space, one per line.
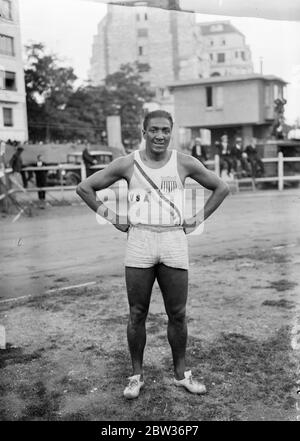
pixel 67 27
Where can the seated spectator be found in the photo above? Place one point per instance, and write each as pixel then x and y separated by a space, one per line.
pixel 256 164
pixel 239 158
pixel 223 150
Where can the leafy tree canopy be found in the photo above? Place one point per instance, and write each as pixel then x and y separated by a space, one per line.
pixel 57 110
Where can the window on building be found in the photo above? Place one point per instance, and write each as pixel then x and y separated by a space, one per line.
pixel 143 67
pixel 5 9
pixel 223 42
pixel 141 50
pixel 211 42
pixel 219 97
pixel 6 45
pixel 209 96
pixel 267 95
pixel 146 16
pixel 7 80
pixel 221 58
pixel 8 117
pixel 142 32
pixel 185 136
pixel 211 56
pixel 284 92
pixel 243 56
pixel 278 91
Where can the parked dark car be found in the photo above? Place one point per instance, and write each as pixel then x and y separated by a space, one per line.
pixel 69 173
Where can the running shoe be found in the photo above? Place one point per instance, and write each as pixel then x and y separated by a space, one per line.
pixel 190 384
pixel 134 386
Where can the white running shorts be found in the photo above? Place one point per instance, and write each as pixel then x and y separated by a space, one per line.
pixel 147 247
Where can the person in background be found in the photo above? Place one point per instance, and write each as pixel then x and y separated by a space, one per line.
pixel 88 160
pixel 239 158
pixel 256 164
pixel 18 176
pixel 2 155
pixel 224 152
pixel 199 151
pixel 41 180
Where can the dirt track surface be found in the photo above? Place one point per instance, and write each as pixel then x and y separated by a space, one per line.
pixel 67 353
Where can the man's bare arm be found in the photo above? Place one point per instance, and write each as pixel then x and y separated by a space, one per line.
pixel 208 179
pixel 118 169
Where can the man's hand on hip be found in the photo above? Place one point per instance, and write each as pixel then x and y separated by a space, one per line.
pixel 122 227
pixel 190 225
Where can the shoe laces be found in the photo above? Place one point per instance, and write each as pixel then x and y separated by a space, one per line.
pixel 190 378
pixel 133 382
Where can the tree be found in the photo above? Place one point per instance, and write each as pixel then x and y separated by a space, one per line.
pixel 123 93
pixel 127 94
pixel 56 110
pixel 48 89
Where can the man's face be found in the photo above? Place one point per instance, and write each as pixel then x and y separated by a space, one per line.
pixel 158 134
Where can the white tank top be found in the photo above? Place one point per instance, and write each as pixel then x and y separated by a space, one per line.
pixel 156 196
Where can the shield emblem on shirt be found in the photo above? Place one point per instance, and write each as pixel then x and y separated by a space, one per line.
pixel 168 184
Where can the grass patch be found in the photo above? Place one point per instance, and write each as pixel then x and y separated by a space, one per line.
pixel 156 323
pixel 282 303
pixel 282 285
pixel 12 355
pixel 266 256
pixel 38 403
pixel 242 374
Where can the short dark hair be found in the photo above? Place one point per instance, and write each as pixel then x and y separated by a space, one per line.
pixel 157 114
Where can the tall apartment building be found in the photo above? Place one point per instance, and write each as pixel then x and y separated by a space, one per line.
pixel 225 49
pixel 13 115
pixel 164 40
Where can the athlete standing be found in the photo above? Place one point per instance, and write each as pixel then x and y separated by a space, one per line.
pixel 157 244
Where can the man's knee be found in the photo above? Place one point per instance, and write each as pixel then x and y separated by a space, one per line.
pixel 177 316
pixel 138 315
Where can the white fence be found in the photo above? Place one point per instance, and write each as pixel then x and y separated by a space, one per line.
pixel 280 160
pixel 214 164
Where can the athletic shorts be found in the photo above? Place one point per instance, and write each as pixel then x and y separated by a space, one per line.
pixel 147 247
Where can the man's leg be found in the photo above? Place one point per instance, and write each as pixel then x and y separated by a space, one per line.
pixel 222 164
pixel 229 162
pixel 139 282
pixel 173 283
pixel 24 179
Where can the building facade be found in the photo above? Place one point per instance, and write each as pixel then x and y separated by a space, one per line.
pixel 13 115
pixel 163 40
pixel 172 44
pixel 225 49
pixel 237 105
